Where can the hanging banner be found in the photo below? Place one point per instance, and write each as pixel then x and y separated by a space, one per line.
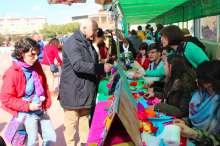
pixel 66 2
pixel 103 2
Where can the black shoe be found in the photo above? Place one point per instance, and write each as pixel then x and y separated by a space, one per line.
pixel 83 144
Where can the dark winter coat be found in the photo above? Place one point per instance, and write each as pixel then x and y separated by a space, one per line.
pixel 80 70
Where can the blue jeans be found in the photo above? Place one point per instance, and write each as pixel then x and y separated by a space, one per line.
pixel 39 123
pixel 40 60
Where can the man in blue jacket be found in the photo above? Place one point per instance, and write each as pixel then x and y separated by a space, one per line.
pixel 36 37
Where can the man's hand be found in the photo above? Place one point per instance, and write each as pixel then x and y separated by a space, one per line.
pixel 139 74
pixel 187 132
pixel 34 106
pixel 107 67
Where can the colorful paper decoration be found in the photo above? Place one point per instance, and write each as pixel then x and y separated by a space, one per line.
pixel 133 84
pixel 143 102
pixel 147 127
pixel 103 2
pixel 142 116
pixel 156 101
pixel 141 93
pixel 109 86
pixel 140 107
pixel 66 2
pixel 150 113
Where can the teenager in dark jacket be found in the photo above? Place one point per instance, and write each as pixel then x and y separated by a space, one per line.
pixel 127 47
pixel 179 86
pixel 135 40
pixel 202 127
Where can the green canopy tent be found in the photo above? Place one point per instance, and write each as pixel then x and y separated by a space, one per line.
pixel 167 11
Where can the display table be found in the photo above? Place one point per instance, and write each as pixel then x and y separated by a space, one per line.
pixel 97 124
pixel 100 115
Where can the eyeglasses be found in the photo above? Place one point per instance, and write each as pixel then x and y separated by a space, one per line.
pixel 151 52
pixel 33 55
pixel 95 30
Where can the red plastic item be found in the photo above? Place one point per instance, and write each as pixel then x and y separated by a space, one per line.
pixel 183 141
pixel 110 98
pixel 144 87
pixel 133 84
pixel 135 95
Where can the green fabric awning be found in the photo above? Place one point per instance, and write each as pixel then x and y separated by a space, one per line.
pixel 167 11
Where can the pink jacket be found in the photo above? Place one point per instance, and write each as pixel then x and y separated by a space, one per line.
pixel 14 86
pixel 52 52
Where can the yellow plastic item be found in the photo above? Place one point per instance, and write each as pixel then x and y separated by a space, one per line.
pixel 93 144
pixel 108 122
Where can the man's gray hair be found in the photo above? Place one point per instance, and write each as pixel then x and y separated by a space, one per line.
pixel 35 34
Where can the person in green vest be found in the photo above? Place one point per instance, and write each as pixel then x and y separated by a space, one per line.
pixel 172 36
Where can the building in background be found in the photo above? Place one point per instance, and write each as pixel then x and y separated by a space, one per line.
pixel 102 19
pixel 10 26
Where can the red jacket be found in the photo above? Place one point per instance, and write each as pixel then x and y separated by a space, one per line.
pixel 52 52
pixel 104 53
pixel 146 63
pixel 14 86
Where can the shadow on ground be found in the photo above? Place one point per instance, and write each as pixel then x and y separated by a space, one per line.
pixel 60 136
pixel 2 126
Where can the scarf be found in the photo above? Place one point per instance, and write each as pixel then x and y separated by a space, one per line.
pixel 202 114
pixel 125 48
pixel 179 48
pixel 37 84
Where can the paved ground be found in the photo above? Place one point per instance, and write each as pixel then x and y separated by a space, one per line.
pixel 55 112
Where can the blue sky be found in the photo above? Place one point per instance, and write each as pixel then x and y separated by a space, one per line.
pixel 55 14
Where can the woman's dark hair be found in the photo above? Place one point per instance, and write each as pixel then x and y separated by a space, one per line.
pixel 173 34
pixel 113 44
pixel 100 33
pixel 133 32
pixel 209 72
pixel 159 27
pixel 55 42
pixel 139 27
pixel 178 69
pixel 60 48
pixel 23 45
pixel 154 46
pixel 168 49
pixel 147 27
pixel 143 46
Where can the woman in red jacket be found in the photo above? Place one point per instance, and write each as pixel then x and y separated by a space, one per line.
pixel 49 53
pixel 142 58
pixel 24 92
